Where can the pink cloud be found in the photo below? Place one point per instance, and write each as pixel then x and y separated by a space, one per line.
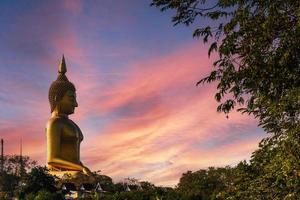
pixel 165 120
pixel 169 134
pixel 152 77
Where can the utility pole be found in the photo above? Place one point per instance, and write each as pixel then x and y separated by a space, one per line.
pixel 21 160
pixel 2 157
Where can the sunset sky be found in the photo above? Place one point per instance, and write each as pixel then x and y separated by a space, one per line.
pixel 139 109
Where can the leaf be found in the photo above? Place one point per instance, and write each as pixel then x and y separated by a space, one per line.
pixel 213 47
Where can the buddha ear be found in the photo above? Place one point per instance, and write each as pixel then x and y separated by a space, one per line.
pixel 57 105
pixel 56 98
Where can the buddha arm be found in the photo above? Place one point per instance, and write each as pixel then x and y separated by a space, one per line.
pixel 54 129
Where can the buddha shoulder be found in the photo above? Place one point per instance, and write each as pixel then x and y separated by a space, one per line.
pixel 56 123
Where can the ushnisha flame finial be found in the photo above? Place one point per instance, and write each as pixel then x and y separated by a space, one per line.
pixel 62 69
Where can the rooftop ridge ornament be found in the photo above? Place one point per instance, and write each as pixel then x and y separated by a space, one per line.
pixel 62 69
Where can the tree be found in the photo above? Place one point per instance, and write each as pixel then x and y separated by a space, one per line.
pixel 145 185
pixel 205 184
pixel 12 164
pixel 258 43
pixel 8 183
pixel 14 170
pixel 38 180
pixel 43 195
pixel 105 182
pixel 257 72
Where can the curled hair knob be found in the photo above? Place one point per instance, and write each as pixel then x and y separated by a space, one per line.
pixel 62 69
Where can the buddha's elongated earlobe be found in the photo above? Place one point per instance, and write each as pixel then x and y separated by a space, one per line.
pixel 58 109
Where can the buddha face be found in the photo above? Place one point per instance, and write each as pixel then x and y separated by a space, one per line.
pixel 68 103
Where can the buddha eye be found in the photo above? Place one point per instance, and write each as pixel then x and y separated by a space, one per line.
pixel 72 98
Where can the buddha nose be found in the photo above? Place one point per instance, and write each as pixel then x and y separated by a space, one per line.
pixel 76 104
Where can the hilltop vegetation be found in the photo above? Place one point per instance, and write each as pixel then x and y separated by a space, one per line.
pixel 244 181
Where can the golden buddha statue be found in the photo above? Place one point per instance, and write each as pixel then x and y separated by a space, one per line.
pixel 63 135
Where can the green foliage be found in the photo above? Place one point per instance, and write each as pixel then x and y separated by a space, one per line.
pixel 151 193
pixel 147 185
pixel 30 196
pixel 8 181
pixel 43 195
pixel 278 167
pixel 12 164
pixel 105 182
pixel 38 180
pixel 5 195
pixel 14 167
pixel 204 184
pixel 119 187
pixel 258 71
pixel 271 174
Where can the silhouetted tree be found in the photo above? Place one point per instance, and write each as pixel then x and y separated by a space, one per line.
pixel 38 182
pixel 8 183
pixel 12 164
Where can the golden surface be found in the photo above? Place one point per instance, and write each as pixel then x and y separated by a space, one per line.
pixel 64 136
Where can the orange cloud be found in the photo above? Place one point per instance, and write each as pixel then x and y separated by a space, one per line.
pixel 161 124
pixel 165 123
pixel 145 119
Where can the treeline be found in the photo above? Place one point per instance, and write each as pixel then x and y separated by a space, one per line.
pixel 22 178
pixel 271 173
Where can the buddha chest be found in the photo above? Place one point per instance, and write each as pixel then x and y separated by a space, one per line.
pixel 70 132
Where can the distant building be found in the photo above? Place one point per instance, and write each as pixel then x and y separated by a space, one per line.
pixel 99 188
pixel 70 191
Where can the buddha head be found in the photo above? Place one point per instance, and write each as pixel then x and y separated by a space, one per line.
pixel 62 93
